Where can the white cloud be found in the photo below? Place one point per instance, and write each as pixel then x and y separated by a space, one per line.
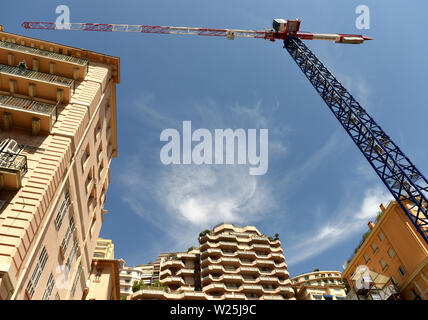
pixel 207 195
pixel 346 223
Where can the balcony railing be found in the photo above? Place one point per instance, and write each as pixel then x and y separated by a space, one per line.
pixel 30 105
pixel 13 162
pixel 43 53
pixel 35 75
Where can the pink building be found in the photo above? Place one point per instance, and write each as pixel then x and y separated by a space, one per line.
pixel 57 139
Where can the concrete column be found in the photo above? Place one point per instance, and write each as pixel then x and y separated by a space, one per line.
pixel 76 73
pixel 52 68
pixel 12 86
pixel 32 90
pixel 59 95
pixel 7 121
pixel 10 59
pixel 35 65
pixel 35 126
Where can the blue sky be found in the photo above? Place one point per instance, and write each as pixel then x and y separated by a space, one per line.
pixel 319 192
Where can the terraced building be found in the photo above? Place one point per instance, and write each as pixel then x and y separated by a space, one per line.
pixel 230 263
pixel 57 140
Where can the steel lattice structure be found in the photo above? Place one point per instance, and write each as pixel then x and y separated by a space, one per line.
pixel 408 186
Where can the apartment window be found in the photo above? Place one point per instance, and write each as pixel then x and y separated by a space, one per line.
pixel 366 257
pixel 415 294
pixel 394 282
pixel 76 279
pixel 402 271
pixel 391 253
pixel 383 264
pixel 62 211
pixel 72 253
pixel 381 236
pixel 68 234
pixel 374 247
pixel 85 155
pixel 98 274
pixel 35 277
pixel 49 287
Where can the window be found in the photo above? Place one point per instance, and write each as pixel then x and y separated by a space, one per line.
pixel 366 258
pixel 68 234
pixel 394 282
pixel 76 280
pixel 49 287
pixel 402 271
pixel 62 211
pixel 374 247
pixel 72 253
pixel 391 253
pixel 381 236
pixel 35 277
pixel 98 274
pixel 383 264
pixel 415 294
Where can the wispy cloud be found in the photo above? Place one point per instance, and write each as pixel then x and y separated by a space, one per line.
pixel 186 199
pixel 345 223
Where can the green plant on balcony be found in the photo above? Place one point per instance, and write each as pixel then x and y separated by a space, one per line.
pixel 22 65
pixel 276 236
pixel 136 286
pixel 122 297
pixel 205 232
pixel 190 249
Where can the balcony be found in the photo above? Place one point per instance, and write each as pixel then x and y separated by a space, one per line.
pixel 24 110
pixel 9 46
pixel 47 84
pixel 13 167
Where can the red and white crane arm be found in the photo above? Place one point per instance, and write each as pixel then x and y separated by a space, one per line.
pixel 284 28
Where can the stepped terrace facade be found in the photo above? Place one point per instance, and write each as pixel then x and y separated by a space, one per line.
pixel 230 263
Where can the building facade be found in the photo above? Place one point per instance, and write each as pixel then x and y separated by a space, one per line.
pixel 57 140
pixel 396 250
pixel 129 275
pixel 319 285
pixel 230 263
pixel 103 282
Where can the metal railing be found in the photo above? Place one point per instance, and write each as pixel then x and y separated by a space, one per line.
pixel 30 105
pixel 13 161
pixel 36 75
pixel 44 53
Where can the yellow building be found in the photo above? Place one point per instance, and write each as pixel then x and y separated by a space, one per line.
pixel 57 139
pixel 103 282
pixel 319 285
pixel 104 249
pixel 396 250
pixel 230 263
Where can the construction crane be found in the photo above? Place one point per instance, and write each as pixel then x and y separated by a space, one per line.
pixel 405 182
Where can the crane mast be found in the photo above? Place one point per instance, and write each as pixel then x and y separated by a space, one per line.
pixel 407 185
pixel 405 182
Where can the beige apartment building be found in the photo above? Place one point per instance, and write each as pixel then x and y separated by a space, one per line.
pixel 57 139
pixel 103 282
pixel 319 285
pixel 230 263
pixel 128 275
